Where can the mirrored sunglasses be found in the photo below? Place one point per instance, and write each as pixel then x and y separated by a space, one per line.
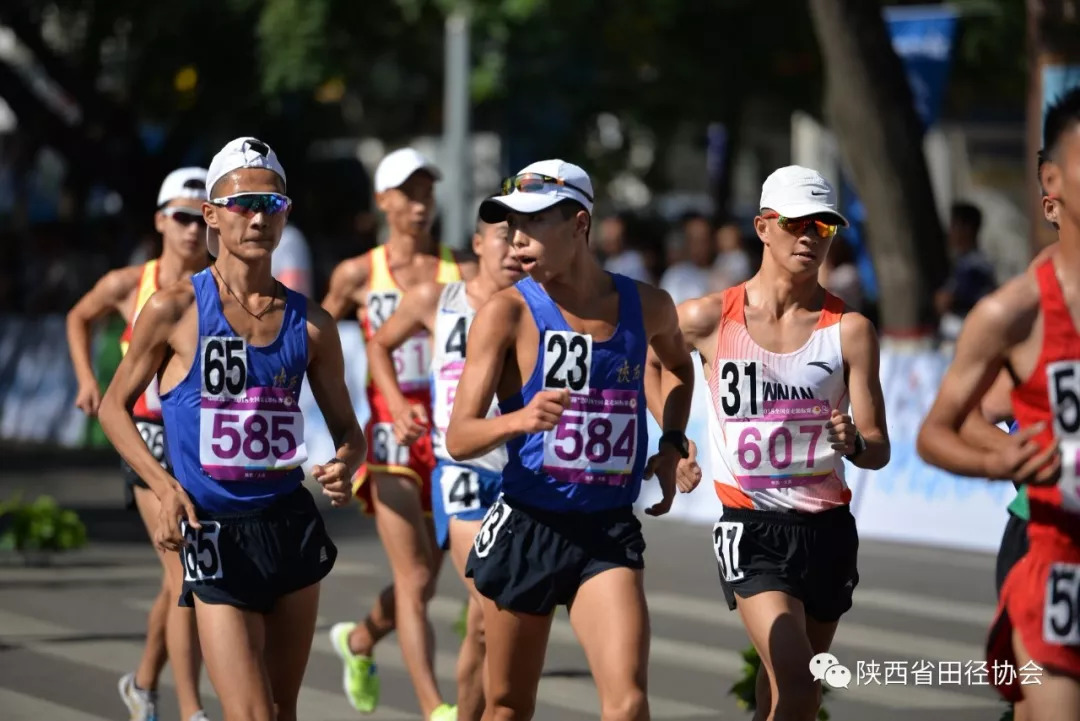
pixel 184 216
pixel 253 203
pixel 537 183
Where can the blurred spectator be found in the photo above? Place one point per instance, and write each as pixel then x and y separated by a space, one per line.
pixel 732 265
pixel 619 257
pixel 840 276
pixel 689 278
pixel 972 274
pixel 291 261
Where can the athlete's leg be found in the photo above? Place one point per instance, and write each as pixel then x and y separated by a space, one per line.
pixel 470 665
pixel 289 630
pixel 516 644
pixel 233 644
pixel 180 636
pixel 776 624
pixel 1055 698
pixel 377 625
pixel 821 636
pixel 611 619
pixel 399 518
pixel 154 651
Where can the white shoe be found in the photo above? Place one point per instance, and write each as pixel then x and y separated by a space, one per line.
pixel 142 704
pixel 199 716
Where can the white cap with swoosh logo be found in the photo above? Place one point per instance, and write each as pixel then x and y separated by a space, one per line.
pixel 796 192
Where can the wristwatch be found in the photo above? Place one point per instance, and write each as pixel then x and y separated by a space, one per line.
pixel 860 446
pixel 678 441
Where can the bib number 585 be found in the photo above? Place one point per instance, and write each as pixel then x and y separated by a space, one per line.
pixel 1061 611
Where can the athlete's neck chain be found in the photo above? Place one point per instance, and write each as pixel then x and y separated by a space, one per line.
pixel 256 316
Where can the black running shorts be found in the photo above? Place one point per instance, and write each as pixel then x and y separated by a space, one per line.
pixel 530 560
pixel 251 559
pixel 1014 546
pixel 811 556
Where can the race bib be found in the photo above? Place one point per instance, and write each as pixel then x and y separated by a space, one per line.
pixel 460 489
pixel 412 363
pixel 787 446
pixel 385 449
pixel 1063 382
pixel 1061 610
pixel 412 360
pixel 202 558
pixel 740 388
pixel 446 380
pixel 153 435
pixel 494 521
pixel 596 439
pixel 727 536
pixel 245 434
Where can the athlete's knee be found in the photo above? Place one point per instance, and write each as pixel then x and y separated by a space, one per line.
pixel 632 705
pixel 415 585
pixel 252 710
pixel 504 710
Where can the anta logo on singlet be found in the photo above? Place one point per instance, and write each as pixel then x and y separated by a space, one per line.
pixel 781 392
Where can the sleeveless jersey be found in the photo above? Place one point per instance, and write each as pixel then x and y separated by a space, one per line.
pixel 593 460
pixel 1052 396
pixel 452 321
pixel 235 430
pixel 412 360
pixel 148 406
pixel 768 411
pixel 147 410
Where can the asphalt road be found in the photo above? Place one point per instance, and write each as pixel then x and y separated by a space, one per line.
pixel 67 632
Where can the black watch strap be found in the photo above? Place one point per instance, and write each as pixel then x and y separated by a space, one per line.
pixel 678 441
pixel 860 446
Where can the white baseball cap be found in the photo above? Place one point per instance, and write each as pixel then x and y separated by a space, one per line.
pixel 575 186
pixel 398 166
pixel 796 192
pixel 183 183
pixel 239 154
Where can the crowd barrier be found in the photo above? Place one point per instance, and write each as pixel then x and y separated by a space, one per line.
pixel 909 501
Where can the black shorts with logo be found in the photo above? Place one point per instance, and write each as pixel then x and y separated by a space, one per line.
pixel 153 435
pixel 811 556
pixel 251 559
pixel 530 560
pixel 1014 546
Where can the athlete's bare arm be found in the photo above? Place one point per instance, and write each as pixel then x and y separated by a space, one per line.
pixel 346 293
pixel 862 358
pixel 675 390
pixel 152 339
pixel 490 349
pixel 415 313
pixel 699 321
pixel 994 327
pixel 107 296
pixel 326 374
pixel 673 393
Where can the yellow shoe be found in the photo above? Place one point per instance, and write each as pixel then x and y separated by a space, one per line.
pixel 446 712
pixel 361 680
